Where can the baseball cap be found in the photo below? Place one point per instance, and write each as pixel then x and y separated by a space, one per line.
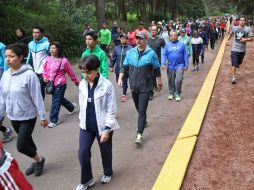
pixel 141 35
pixel 140 23
pixel 160 23
pixel 183 30
pixel 124 35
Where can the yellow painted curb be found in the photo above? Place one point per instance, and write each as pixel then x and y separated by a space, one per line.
pixel 192 124
pixel 174 168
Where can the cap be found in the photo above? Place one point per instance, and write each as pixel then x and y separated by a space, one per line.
pixel 141 35
pixel 124 35
pixel 183 30
pixel 160 23
pixel 141 23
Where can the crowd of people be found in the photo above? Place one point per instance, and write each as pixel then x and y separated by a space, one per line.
pixel 31 69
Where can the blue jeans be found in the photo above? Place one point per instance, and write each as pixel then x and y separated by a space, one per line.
pixel 86 139
pixel 58 100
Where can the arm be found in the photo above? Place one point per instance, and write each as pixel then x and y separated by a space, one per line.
pixel 186 57
pixel 123 70
pixel 113 59
pixel 68 69
pixel 104 65
pixel 45 71
pixel 109 38
pixel 2 106
pixel 164 57
pixel 157 71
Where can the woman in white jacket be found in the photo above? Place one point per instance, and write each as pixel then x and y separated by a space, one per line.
pixel 97 120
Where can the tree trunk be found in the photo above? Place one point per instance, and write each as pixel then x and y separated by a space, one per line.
pixel 122 10
pixel 154 6
pixel 100 12
pixel 173 9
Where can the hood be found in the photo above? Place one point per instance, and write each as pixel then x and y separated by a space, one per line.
pixel 96 49
pixel 2 45
pixel 42 40
pixel 23 68
pixel 147 49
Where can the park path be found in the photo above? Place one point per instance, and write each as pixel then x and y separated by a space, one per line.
pixel 135 168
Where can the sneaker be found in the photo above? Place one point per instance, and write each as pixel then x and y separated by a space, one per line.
pixel 7 136
pixel 74 110
pixel 138 138
pixel 197 68
pixel 106 179
pixel 233 80
pixel 123 98
pixel 151 97
pixel 53 125
pixel 212 51
pixel 30 170
pixel 178 98
pixel 171 96
pixel 193 69
pixel 38 168
pixel 85 186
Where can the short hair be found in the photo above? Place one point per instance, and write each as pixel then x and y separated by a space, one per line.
pixel 90 63
pixel 20 49
pixel 243 16
pixel 58 47
pixel 39 28
pixel 173 31
pixel 22 30
pixel 93 34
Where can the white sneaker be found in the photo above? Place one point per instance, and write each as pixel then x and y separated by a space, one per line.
pixel 85 186
pixel 106 179
pixel 74 110
pixel 53 125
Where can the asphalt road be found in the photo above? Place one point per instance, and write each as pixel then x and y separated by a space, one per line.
pixel 135 167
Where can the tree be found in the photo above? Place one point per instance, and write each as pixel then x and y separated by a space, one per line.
pixel 100 12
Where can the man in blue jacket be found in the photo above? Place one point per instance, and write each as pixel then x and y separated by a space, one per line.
pixel 178 59
pixel 141 62
pixel 117 61
pixel 38 51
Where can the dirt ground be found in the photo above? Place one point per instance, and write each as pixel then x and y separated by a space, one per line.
pixel 223 156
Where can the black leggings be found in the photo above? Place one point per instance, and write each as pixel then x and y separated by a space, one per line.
pixel 25 143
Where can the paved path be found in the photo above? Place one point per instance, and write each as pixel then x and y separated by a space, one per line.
pixel 135 168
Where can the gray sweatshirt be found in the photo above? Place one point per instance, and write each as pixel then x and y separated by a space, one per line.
pixel 20 95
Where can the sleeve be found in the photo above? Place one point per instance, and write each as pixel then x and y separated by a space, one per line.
pixel 68 69
pixel 111 107
pixel 125 64
pixel 186 56
pixel 113 59
pixel 2 104
pixel 156 65
pixel 45 70
pixel 104 65
pixel 109 37
pixel 164 55
pixel 35 93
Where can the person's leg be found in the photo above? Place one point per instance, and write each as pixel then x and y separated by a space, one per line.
pixel 66 103
pixel 125 84
pixel 193 60
pixel 197 59
pixel 135 97
pixel 43 85
pixel 86 139
pixel 117 77
pixel 171 81
pixel 106 154
pixel 203 53
pixel 142 107
pixel 235 64
pixel 179 79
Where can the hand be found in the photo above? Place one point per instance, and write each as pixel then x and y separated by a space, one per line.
pixel 111 69
pixel 243 40
pixel 163 67
pixel 120 82
pixel 45 79
pixel 44 123
pixel 186 69
pixel 104 137
pixel 159 87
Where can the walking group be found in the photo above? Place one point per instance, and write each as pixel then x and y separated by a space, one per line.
pixel 30 70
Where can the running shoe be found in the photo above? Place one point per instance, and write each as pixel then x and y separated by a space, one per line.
pixel 138 138
pixel 171 97
pixel 38 167
pixel 30 170
pixel 233 80
pixel 7 136
pixel 53 125
pixel 85 186
pixel 74 110
pixel 123 98
pixel 178 98
pixel 106 179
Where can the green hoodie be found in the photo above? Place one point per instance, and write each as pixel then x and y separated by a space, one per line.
pixel 98 52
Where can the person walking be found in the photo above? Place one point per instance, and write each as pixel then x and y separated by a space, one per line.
pixel 157 44
pixel 21 36
pixel 105 38
pixel 7 131
pixel 94 49
pixel 97 120
pixel 38 51
pixel 213 38
pixel 186 40
pixel 196 43
pixel 55 67
pixel 242 35
pixel 22 103
pixel 131 37
pixel 141 28
pixel 204 37
pixel 176 53
pixel 117 62
pixel 142 62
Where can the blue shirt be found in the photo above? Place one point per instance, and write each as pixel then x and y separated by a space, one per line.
pixel 177 55
pixel 2 55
